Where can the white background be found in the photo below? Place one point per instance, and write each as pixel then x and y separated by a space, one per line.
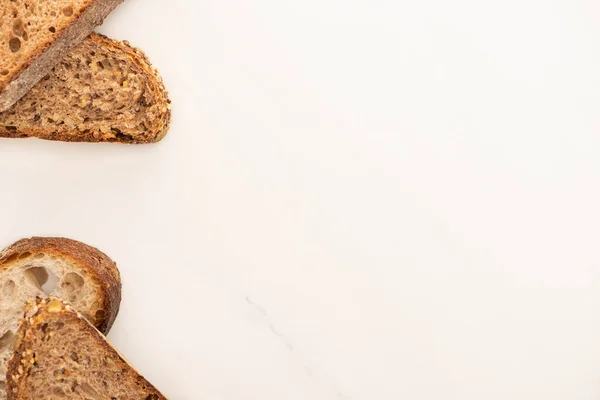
pixel 358 199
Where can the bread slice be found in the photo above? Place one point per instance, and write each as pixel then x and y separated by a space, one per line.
pixel 103 91
pixel 35 35
pixel 71 270
pixel 59 355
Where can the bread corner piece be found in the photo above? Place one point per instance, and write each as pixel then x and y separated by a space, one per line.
pixel 59 355
pixel 36 35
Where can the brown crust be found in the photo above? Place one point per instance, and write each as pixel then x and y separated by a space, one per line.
pixel 156 82
pixel 38 65
pixel 36 313
pixel 98 266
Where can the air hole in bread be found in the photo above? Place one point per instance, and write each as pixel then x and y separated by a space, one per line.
pixel 7 341
pixel 52 29
pixel 68 11
pixel 14 44
pixel 14 256
pixel 71 286
pixel 4 72
pixel 24 255
pixel 45 279
pixel 18 28
pixel 99 316
pixel 8 292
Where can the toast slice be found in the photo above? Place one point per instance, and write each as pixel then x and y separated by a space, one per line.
pixel 36 35
pixel 59 355
pixel 103 91
pixel 71 270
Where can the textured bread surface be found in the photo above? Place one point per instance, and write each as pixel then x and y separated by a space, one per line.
pixel 65 268
pixel 35 35
pixel 103 91
pixel 59 355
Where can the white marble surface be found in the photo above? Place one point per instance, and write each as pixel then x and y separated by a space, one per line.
pixel 362 200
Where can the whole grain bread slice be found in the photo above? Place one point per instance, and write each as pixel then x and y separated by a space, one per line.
pixel 59 355
pixel 65 268
pixel 35 35
pixel 103 91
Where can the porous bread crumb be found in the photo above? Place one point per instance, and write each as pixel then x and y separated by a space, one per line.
pixel 28 26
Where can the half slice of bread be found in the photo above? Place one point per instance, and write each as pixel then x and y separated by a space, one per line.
pixel 71 270
pixel 59 355
pixel 103 91
pixel 35 35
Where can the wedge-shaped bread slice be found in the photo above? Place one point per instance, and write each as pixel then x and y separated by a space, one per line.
pixel 103 91
pixel 35 35
pixel 59 355
pixel 65 268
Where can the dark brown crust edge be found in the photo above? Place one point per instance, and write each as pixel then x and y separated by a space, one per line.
pixel 40 64
pixel 156 82
pixel 98 265
pixel 35 314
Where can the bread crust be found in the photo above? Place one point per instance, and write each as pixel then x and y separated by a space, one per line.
pixel 36 313
pixel 99 267
pixel 156 134
pixel 50 53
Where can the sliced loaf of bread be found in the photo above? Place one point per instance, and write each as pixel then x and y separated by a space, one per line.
pixel 60 356
pixel 65 268
pixel 102 91
pixel 35 35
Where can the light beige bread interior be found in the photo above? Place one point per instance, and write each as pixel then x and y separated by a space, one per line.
pixel 35 35
pixel 103 91
pixel 60 356
pixel 65 268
